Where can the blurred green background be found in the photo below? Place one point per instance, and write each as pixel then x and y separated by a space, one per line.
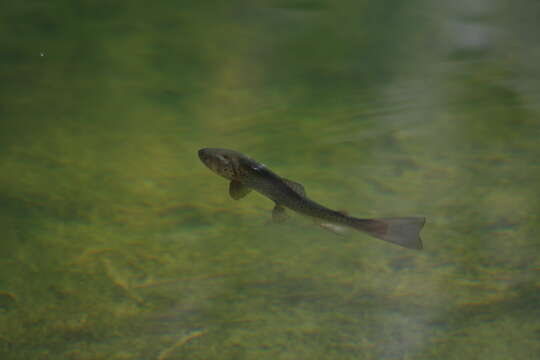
pixel 117 243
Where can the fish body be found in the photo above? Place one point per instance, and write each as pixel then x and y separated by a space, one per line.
pixel 246 174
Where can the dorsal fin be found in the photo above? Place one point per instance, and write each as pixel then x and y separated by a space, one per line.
pixel 297 188
pixel 237 190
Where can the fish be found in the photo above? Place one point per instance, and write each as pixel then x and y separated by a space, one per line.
pixel 246 174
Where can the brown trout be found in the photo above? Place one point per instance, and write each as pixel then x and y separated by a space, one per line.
pixel 246 174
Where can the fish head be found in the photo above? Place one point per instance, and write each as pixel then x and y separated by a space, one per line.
pixel 226 163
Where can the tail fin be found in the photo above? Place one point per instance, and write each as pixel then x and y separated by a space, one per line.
pixel 400 231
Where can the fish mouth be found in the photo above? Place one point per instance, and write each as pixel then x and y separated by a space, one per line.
pixel 209 158
pixel 205 156
pixel 202 154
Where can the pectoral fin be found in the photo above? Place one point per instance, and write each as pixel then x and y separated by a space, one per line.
pixel 237 190
pixel 298 188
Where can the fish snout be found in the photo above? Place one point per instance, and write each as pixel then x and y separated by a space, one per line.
pixel 204 155
pixel 209 159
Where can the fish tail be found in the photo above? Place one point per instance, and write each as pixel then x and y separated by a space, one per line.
pixel 400 231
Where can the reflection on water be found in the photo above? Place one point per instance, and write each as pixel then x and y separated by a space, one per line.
pixel 118 244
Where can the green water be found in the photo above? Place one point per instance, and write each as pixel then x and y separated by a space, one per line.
pixel 117 243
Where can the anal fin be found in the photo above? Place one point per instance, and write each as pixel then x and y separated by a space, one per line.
pixel 336 229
